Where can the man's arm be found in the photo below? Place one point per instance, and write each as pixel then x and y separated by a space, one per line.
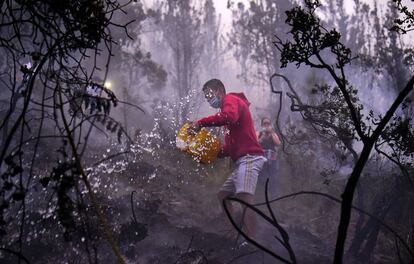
pixel 275 138
pixel 229 115
pixel 260 136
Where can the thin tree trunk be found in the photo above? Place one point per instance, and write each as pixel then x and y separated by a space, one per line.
pixel 348 194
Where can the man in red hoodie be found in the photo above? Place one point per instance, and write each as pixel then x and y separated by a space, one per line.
pixel 241 145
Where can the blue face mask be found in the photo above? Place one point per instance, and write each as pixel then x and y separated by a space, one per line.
pixel 215 102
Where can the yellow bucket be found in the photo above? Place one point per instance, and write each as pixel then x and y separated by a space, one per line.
pixel 203 146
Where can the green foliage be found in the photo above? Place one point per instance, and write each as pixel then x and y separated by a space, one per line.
pixel 309 38
pixel 399 136
pixel 185 37
pixel 94 98
pixel 56 45
pixel 142 73
pixel 383 51
pixel 330 112
pixel 254 27
pixel 404 24
pixel 140 66
pixel 83 22
pixel 333 110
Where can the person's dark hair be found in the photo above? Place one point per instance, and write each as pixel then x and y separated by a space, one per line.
pixel 265 118
pixel 214 84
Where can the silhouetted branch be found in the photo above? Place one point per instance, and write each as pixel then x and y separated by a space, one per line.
pixel 399 165
pixel 280 93
pixel 379 221
pixel 348 194
pixel 309 40
pixel 273 221
pixel 111 157
pixel 281 230
pixel 133 207
pixel 102 219
pixel 240 231
pixel 305 110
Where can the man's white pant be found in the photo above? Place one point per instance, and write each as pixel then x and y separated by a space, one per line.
pixel 243 179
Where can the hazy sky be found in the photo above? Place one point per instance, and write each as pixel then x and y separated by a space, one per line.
pixel 221 6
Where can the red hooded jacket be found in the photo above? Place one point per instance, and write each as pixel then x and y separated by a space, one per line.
pixel 235 115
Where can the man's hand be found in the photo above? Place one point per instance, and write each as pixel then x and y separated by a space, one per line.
pixel 194 128
pixel 264 134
